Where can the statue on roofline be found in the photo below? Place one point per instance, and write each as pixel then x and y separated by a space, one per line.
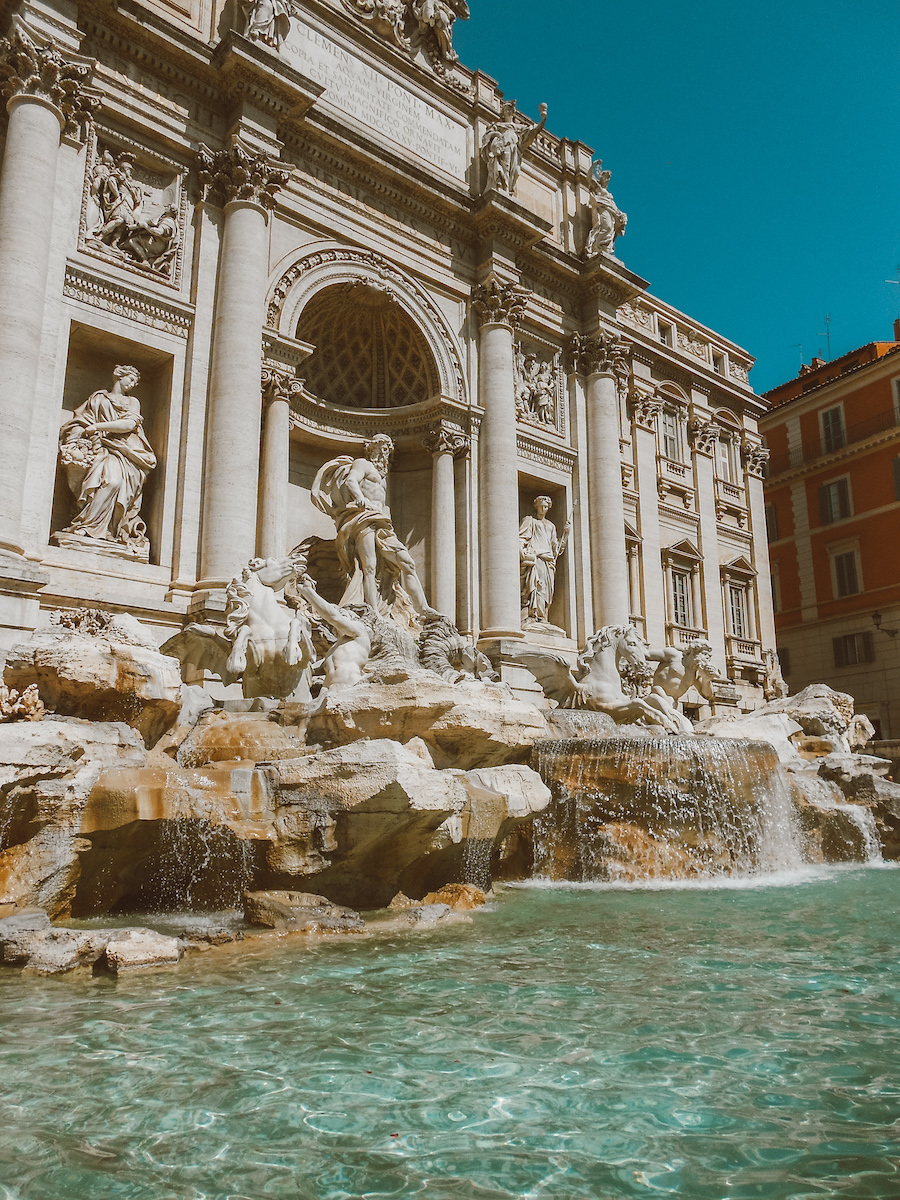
pixel 503 147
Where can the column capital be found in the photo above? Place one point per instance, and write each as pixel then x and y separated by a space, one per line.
pixel 278 384
pixel 755 459
pixel 241 173
pixel 497 303
pixel 445 439
pixel 31 66
pixel 600 354
pixel 704 435
pixel 645 410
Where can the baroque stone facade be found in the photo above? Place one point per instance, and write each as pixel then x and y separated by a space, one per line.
pixel 314 228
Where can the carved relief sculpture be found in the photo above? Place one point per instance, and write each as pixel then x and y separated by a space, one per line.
pixel 435 26
pixel 353 491
pixel 106 458
pixel 264 644
pixel 608 220
pixel 124 227
pixel 539 550
pixel 503 147
pixel 535 388
pixel 266 21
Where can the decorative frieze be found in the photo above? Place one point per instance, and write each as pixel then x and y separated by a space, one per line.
pixel 692 343
pixel 738 372
pixel 241 173
pixel 33 66
pixel 496 303
pixel 123 302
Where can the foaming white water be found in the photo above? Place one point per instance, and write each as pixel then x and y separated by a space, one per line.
pixel 730 883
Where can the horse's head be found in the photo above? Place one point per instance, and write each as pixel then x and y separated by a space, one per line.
pixel 272 572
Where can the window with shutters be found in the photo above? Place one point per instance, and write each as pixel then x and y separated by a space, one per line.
pixel 682 608
pixel 846 576
pixel 737 610
pixel 771 523
pixel 834 501
pixel 851 649
pixel 832 421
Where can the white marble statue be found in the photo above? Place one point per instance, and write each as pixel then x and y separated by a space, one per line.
pixel 535 388
pixel 347 654
pixel 504 145
pixel 608 220
pixel 106 458
pixel 153 241
pixel 435 20
pixel 680 670
pixel 264 643
pixel 539 549
pixel 353 492
pixel 611 654
pixel 266 21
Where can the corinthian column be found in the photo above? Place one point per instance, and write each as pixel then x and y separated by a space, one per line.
pixel 275 465
pixel 603 361
pixel 498 308
pixel 444 444
pixel 45 93
pixel 247 181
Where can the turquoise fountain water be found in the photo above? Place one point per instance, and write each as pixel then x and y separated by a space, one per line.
pixel 719 1041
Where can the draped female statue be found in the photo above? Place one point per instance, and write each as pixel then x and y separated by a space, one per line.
pixel 107 458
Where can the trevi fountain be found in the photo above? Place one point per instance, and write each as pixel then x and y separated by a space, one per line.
pixel 399 792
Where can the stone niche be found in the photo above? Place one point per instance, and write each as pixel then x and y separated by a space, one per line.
pixel 92 357
pixel 530 488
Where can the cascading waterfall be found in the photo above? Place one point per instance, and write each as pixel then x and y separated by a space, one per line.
pixel 675 807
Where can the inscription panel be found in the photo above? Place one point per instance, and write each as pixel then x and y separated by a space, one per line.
pixel 364 93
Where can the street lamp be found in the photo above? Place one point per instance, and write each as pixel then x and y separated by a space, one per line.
pixel 876 621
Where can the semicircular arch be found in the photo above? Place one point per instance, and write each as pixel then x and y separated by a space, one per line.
pixel 300 277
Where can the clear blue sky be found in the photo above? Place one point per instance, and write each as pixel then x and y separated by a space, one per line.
pixel 754 147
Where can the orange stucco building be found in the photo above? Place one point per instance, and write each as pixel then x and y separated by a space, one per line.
pixel 833 519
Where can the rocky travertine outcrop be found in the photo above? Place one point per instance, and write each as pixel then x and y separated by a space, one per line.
pixel 300 912
pixel 48 770
pixel 471 724
pixel 103 668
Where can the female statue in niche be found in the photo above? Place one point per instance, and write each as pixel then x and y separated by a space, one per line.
pixel 539 549
pixel 107 458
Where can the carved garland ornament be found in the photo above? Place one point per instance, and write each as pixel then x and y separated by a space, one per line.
pixel 241 173
pixel 35 67
pixel 496 303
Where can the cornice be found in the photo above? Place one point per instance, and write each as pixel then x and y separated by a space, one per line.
pixel 845 454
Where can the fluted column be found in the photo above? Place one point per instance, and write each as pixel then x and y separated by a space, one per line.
pixel 275 463
pixel 755 459
pixel 444 444
pixel 645 413
pixel 247 181
pixel 45 92
pixel 603 362
pixel 498 308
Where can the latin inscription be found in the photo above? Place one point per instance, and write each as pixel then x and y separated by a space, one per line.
pixel 358 89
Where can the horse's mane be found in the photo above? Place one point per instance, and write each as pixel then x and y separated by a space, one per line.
pixel 238 595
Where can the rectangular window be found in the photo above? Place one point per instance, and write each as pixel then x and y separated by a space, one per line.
pixel 737 603
pixel 665 334
pixel 852 648
pixel 671 437
pixel 784 658
pixel 718 363
pixel 723 459
pixel 896 466
pixel 845 574
pixel 834 501
pixel 771 523
pixel 832 429
pixel 682 609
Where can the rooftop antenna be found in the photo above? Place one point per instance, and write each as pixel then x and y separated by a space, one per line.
pixel 799 346
pixel 897 281
pixel 827 334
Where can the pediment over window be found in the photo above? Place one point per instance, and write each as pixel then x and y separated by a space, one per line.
pixel 683 553
pixel 739 569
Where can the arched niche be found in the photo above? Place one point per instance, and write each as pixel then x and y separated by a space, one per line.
pixel 336 280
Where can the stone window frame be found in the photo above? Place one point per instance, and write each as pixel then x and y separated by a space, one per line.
pixel 740 575
pixel 820 417
pixel 837 550
pixel 684 559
